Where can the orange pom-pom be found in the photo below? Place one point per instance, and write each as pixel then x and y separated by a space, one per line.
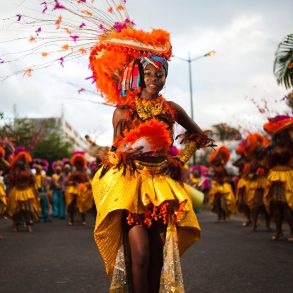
pixel 153 134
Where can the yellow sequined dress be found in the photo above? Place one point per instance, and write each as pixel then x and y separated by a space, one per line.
pixel 241 193
pixel 117 194
pixel 80 189
pixel 255 191
pixel 226 192
pixel 281 175
pixel 23 195
pixel 3 199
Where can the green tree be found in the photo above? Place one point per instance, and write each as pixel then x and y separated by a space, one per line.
pixel 52 148
pixel 226 132
pixel 43 140
pixel 283 64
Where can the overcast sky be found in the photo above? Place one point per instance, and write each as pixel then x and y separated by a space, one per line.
pixel 244 34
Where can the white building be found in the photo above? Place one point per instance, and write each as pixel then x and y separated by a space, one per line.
pixel 66 131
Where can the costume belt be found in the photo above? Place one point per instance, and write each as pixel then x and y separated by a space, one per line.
pixel 151 167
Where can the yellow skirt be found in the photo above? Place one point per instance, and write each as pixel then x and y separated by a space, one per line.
pixel 85 199
pixel 252 186
pixel 242 183
pixel 227 191
pixel 71 192
pixel 114 194
pixel 22 195
pixel 280 174
pixel 3 200
pixel 83 195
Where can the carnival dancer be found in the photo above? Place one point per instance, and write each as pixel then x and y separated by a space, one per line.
pixel 56 186
pixel 279 192
pixel 4 167
pixel 256 150
pixel 42 183
pixel 23 205
pixel 62 181
pixel 138 192
pixel 3 198
pixel 142 206
pixel 242 184
pixel 75 187
pixel 221 197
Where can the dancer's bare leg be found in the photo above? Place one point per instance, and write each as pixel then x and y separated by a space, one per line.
pixel 140 255
pixel 157 235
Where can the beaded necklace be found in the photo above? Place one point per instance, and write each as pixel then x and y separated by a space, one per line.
pixel 149 108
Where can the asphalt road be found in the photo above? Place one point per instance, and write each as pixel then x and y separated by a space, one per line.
pixel 228 258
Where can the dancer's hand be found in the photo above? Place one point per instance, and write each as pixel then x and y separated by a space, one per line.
pixel 174 169
pixel 130 153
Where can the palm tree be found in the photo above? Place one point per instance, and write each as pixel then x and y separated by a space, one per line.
pixel 283 65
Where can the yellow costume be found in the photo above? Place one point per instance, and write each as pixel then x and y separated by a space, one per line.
pixel 225 190
pixel 283 175
pixel 84 196
pixel 115 193
pixel 252 186
pixel 3 199
pixel 241 191
pixel 85 200
pixel 23 196
pixel 71 192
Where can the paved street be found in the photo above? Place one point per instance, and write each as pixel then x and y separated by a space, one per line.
pixel 228 258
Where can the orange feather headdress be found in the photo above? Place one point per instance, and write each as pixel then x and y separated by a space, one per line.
pixel 78 156
pixel 278 124
pixel 253 141
pixel 101 29
pixel 240 149
pixel 220 156
pixel 115 50
pixel 18 154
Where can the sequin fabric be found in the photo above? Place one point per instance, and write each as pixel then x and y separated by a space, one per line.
pixel 171 274
pixel 115 195
pixel 119 281
pixel 283 176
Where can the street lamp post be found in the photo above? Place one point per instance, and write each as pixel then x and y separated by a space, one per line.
pixel 189 60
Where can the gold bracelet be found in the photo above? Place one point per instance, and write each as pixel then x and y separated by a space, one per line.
pixel 187 153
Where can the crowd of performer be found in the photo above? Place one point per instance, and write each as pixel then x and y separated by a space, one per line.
pixel 33 191
pixel 262 189
pixel 264 185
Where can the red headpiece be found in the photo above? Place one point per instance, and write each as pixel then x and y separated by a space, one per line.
pixel 278 124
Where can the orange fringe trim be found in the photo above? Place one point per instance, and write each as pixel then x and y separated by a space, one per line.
pixel 154 213
pixel 180 212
